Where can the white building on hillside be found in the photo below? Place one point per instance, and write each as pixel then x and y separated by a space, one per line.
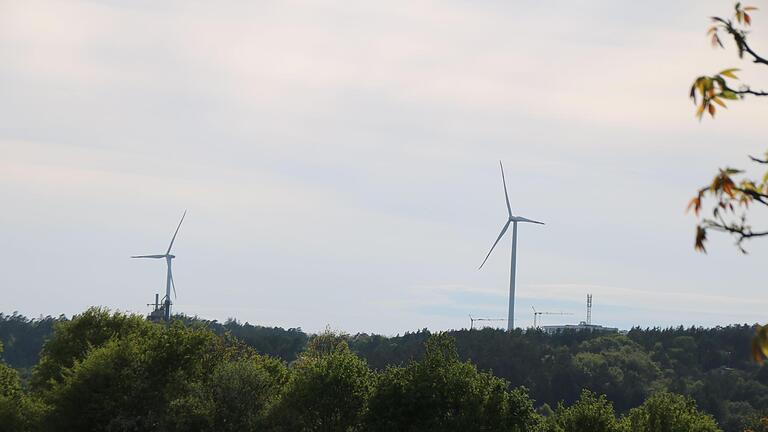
pixel 582 326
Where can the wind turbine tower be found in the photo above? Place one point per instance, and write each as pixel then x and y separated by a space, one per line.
pixel 166 303
pixel 514 220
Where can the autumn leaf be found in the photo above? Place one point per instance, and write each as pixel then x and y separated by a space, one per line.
pixel 701 237
pixel 719 102
pixel 760 344
pixel 716 41
pixel 695 204
pixel 730 73
pixel 728 189
pixel 757 354
pixel 700 111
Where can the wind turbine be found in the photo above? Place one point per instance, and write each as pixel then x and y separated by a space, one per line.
pixel 514 220
pixel 169 276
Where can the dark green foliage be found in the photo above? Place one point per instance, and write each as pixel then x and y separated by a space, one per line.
pixel 441 393
pixel 665 412
pixel 237 396
pixel 328 389
pixel 756 424
pixel 129 382
pixel 590 413
pixel 713 366
pixel 272 341
pixel 243 392
pixel 23 338
pixel 381 351
pixel 9 379
pixel 19 412
pixel 74 339
pixel 618 368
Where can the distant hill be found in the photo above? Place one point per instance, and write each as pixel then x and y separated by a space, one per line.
pixel 712 365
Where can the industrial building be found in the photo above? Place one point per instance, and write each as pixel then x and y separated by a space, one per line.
pixel 582 326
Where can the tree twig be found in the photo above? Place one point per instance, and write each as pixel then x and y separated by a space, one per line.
pixel 741 41
pixel 758 59
pixel 751 92
pixel 755 195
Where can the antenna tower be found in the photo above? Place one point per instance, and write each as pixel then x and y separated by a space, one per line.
pixel 589 309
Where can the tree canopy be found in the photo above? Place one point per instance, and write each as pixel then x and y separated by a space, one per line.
pixel 713 367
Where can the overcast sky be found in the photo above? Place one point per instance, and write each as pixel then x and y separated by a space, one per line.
pixel 339 160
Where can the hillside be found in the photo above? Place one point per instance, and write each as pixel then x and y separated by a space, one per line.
pixel 712 365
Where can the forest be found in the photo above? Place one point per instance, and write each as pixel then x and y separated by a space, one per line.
pixel 109 371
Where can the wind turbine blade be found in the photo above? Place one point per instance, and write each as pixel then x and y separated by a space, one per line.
pixel 522 219
pixel 173 285
pixel 177 231
pixel 503 230
pixel 506 195
pixel 148 256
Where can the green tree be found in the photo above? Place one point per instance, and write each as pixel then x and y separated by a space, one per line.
pixel 134 382
pixel 18 411
pixel 617 367
pixel 23 337
pixel 244 391
pixel 667 412
pixel 441 393
pixel 73 340
pixel 590 413
pixel 758 425
pixel 237 396
pixel 327 390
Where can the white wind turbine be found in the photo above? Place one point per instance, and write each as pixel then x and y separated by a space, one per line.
pixel 512 219
pixel 169 276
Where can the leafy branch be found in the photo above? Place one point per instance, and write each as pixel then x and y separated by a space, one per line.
pixel 712 90
pixel 732 197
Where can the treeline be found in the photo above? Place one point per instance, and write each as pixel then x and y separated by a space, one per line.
pixel 710 366
pixel 24 337
pixel 105 371
pixel 713 366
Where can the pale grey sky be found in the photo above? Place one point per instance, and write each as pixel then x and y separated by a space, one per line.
pixel 339 160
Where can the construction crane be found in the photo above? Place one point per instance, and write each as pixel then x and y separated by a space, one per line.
pixel 473 319
pixel 537 314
